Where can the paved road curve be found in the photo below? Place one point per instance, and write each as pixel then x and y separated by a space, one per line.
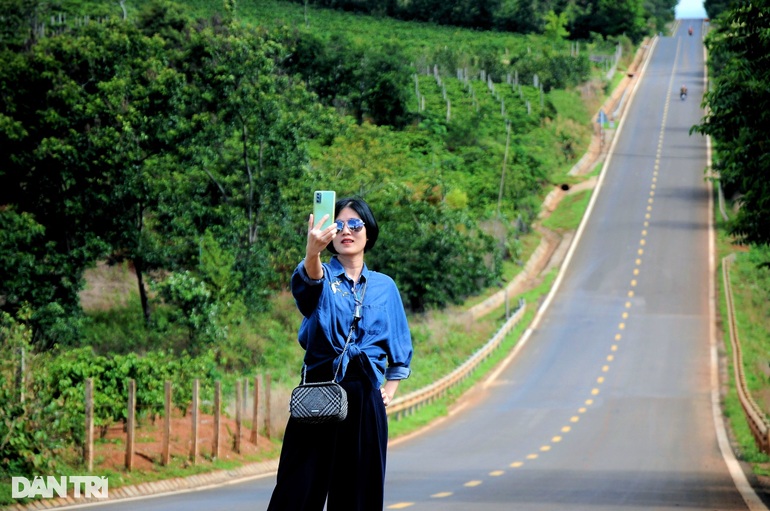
pixel 608 405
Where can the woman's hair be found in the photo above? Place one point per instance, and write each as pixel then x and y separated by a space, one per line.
pixel 365 212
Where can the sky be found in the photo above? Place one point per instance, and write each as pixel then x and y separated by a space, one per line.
pixel 687 9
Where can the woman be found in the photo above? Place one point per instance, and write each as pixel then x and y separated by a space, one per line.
pixel 343 464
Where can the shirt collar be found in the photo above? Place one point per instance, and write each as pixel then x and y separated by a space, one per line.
pixel 338 271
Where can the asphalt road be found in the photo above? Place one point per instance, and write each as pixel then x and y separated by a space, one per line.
pixel 608 405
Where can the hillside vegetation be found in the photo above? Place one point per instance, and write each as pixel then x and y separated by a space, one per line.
pixel 180 144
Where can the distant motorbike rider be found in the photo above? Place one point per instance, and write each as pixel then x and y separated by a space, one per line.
pixel 683 91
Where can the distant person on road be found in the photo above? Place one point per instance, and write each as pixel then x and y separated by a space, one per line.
pixel 683 91
pixel 342 464
pixel 689 30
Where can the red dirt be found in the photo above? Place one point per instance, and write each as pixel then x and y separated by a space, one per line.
pixel 110 452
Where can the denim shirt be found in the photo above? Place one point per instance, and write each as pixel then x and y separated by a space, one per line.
pixel 381 342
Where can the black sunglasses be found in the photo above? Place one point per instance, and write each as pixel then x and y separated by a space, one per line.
pixel 354 224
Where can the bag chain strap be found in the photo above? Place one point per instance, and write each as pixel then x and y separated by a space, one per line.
pixel 356 317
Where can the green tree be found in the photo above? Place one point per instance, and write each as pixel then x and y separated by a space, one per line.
pixel 738 115
pixel 368 83
pixel 522 16
pixel 714 8
pixel 239 163
pixel 607 17
pixel 555 26
pixel 660 13
pixel 436 255
pixel 90 109
pixel 28 261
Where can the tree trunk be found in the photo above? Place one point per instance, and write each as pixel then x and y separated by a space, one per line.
pixel 138 268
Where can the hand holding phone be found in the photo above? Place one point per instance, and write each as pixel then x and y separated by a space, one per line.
pixel 318 224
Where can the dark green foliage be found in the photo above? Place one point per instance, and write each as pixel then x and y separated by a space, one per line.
pixel 29 273
pixel 523 17
pixel 165 19
pixel 714 8
pixel 123 144
pixel 609 18
pixel 739 113
pixel 367 82
pixel 554 71
pixel 85 117
pixel 604 17
pixel 661 12
pixel 437 256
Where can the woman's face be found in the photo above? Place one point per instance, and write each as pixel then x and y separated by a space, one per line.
pixel 349 242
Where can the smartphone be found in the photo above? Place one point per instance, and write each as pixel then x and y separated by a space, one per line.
pixel 323 204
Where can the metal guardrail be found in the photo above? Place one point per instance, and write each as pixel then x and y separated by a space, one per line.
pixel 758 422
pixel 408 404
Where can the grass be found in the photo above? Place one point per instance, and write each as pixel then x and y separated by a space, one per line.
pixel 750 286
pixel 568 215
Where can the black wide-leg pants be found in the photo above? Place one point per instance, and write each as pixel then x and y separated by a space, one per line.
pixel 342 464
